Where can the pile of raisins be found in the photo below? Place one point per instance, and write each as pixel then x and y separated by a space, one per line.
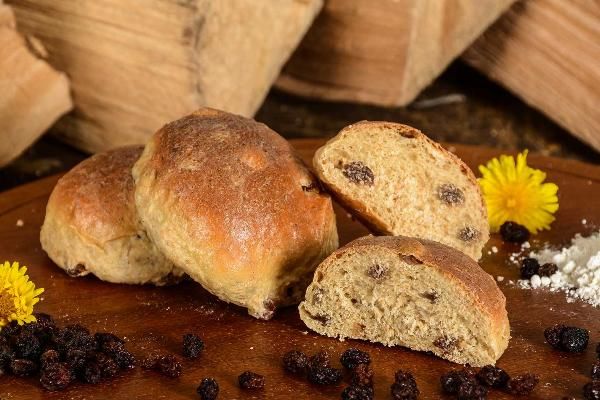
pixel 468 384
pixel 61 356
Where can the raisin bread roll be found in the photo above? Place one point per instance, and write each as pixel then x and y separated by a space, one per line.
pixel 410 292
pixel 91 226
pixel 227 199
pixel 399 182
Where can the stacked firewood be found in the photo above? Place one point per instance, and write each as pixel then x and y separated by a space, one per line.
pixel 131 68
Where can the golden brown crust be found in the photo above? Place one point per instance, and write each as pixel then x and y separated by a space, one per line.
pixel 242 200
pixel 96 197
pixel 91 224
pixel 449 261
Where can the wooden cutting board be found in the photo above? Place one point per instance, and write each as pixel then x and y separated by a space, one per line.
pixel 156 318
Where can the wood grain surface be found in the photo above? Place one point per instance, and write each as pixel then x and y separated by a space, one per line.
pixel 135 65
pixel 34 95
pixel 156 318
pixel 547 52
pixel 383 52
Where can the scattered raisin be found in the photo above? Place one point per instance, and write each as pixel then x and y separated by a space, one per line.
pixel 574 340
pixel 450 194
pixel 208 389
pixel 355 392
pixel 12 329
pixel 76 360
pixel 377 271
pixel 471 390
pixel 468 234
pixel 362 375
pixel 493 376
pixel 251 380
pixel 320 359
pixel 49 357
pixel 91 372
pixel 23 367
pixel 358 173
pixel 27 346
pixel 324 375
pixel 168 365
pixel 529 267
pixel 596 370
pixel 513 232
pixel 547 269
pixel 55 376
pixel 192 346
pixel 75 337
pixel 452 380
pixel 7 355
pixel 352 357
pixel 295 362
pixel 553 335
pixel 106 337
pixel 404 386
pixel 123 358
pixel 522 384
pixel 108 366
pixel 591 390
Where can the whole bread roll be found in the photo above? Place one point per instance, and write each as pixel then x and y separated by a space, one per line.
pixel 399 182
pixel 91 225
pixel 228 200
pixel 410 292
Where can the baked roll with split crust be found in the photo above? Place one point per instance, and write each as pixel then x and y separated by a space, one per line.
pixel 399 182
pixel 91 225
pixel 410 292
pixel 227 199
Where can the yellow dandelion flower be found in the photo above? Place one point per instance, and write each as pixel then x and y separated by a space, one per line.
pixel 516 192
pixel 18 295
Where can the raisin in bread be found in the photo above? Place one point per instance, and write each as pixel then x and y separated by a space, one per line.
pixel 399 182
pixel 411 292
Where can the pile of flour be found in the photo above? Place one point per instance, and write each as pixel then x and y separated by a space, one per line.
pixel 578 269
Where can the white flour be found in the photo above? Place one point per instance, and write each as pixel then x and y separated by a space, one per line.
pixel 578 269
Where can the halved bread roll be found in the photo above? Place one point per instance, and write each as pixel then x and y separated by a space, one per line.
pixel 410 292
pixel 399 182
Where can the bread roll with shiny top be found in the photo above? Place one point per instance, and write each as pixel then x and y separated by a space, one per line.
pixel 227 199
pixel 91 225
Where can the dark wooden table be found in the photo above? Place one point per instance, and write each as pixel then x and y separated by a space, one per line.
pixel 156 318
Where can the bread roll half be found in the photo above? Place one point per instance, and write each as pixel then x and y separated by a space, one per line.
pixel 409 292
pixel 399 182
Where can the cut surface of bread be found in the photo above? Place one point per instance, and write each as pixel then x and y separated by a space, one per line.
pixel 399 182
pixel 410 292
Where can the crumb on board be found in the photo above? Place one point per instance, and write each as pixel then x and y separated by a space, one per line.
pixel 20 223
